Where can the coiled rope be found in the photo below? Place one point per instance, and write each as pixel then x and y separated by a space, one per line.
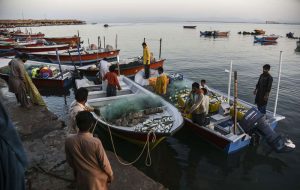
pixel 148 160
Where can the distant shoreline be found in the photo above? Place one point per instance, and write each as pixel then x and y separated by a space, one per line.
pixel 38 22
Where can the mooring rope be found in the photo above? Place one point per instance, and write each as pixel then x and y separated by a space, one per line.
pixel 148 160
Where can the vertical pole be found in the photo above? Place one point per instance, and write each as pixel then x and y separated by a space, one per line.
pixel 100 42
pixel 229 83
pixel 116 41
pixel 118 60
pixel 104 42
pixel 78 46
pixel 160 41
pixel 58 60
pixel 144 39
pixel 78 38
pixel 235 103
pixel 278 83
pixel 89 43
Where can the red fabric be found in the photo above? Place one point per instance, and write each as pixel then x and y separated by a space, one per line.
pixel 112 79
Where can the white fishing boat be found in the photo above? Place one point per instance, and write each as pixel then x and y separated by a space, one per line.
pixel 135 114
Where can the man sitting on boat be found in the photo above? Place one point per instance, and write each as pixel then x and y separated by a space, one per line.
pixel 197 104
pixel 112 82
pixel 203 85
pixel 161 82
pixel 255 122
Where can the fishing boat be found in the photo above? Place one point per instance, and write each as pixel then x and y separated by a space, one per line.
pixel 59 80
pixel 11 45
pixel 85 57
pixel 259 32
pixel 220 34
pixel 20 35
pixel 42 48
pixel 135 114
pixel 71 40
pixel 190 27
pixel 298 46
pixel 271 38
pixel 214 34
pixel 128 67
pixel 220 131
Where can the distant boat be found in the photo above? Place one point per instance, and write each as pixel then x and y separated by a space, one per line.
pixel 190 27
pixel 105 25
pixel 42 48
pixel 93 23
pixel 259 32
pixel 298 46
pixel 266 38
pixel 214 34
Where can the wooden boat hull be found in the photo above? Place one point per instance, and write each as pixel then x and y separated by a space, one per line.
pixel 222 143
pixel 127 71
pixel 46 83
pixel 85 58
pixel 41 83
pixel 25 36
pixel 41 48
pixel 64 40
pixel 266 39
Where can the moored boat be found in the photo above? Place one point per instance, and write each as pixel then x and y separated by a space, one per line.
pixel 219 131
pixel 128 67
pixel 214 34
pixel 259 32
pixel 190 27
pixel 58 80
pixel 20 35
pixel 271 38
pixel 43 48
pixel 135 113
pixel 298 46
pixel 71 40
pixel 85 57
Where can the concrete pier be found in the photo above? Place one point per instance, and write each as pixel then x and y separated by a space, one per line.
pixel 43 136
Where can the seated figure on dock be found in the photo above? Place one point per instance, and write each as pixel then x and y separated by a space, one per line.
pixel 255 122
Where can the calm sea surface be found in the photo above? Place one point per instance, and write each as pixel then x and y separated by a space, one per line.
pixel 185 161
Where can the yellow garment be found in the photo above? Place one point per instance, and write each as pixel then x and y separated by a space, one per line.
pixel 146 55
pixel 161 84
pixel 33 92
pixel 34 72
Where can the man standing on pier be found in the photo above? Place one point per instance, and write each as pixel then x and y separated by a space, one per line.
pixel 86 155
pixel 263 88
pixel 16 80
pixel 146 60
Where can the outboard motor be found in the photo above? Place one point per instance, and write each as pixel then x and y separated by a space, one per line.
pixel 254 123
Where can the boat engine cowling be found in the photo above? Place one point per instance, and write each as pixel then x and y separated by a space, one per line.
pixel 250 120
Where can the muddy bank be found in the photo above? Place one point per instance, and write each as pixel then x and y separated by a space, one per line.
pixel 43 135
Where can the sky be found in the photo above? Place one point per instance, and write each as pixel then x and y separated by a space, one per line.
pixel 155 10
